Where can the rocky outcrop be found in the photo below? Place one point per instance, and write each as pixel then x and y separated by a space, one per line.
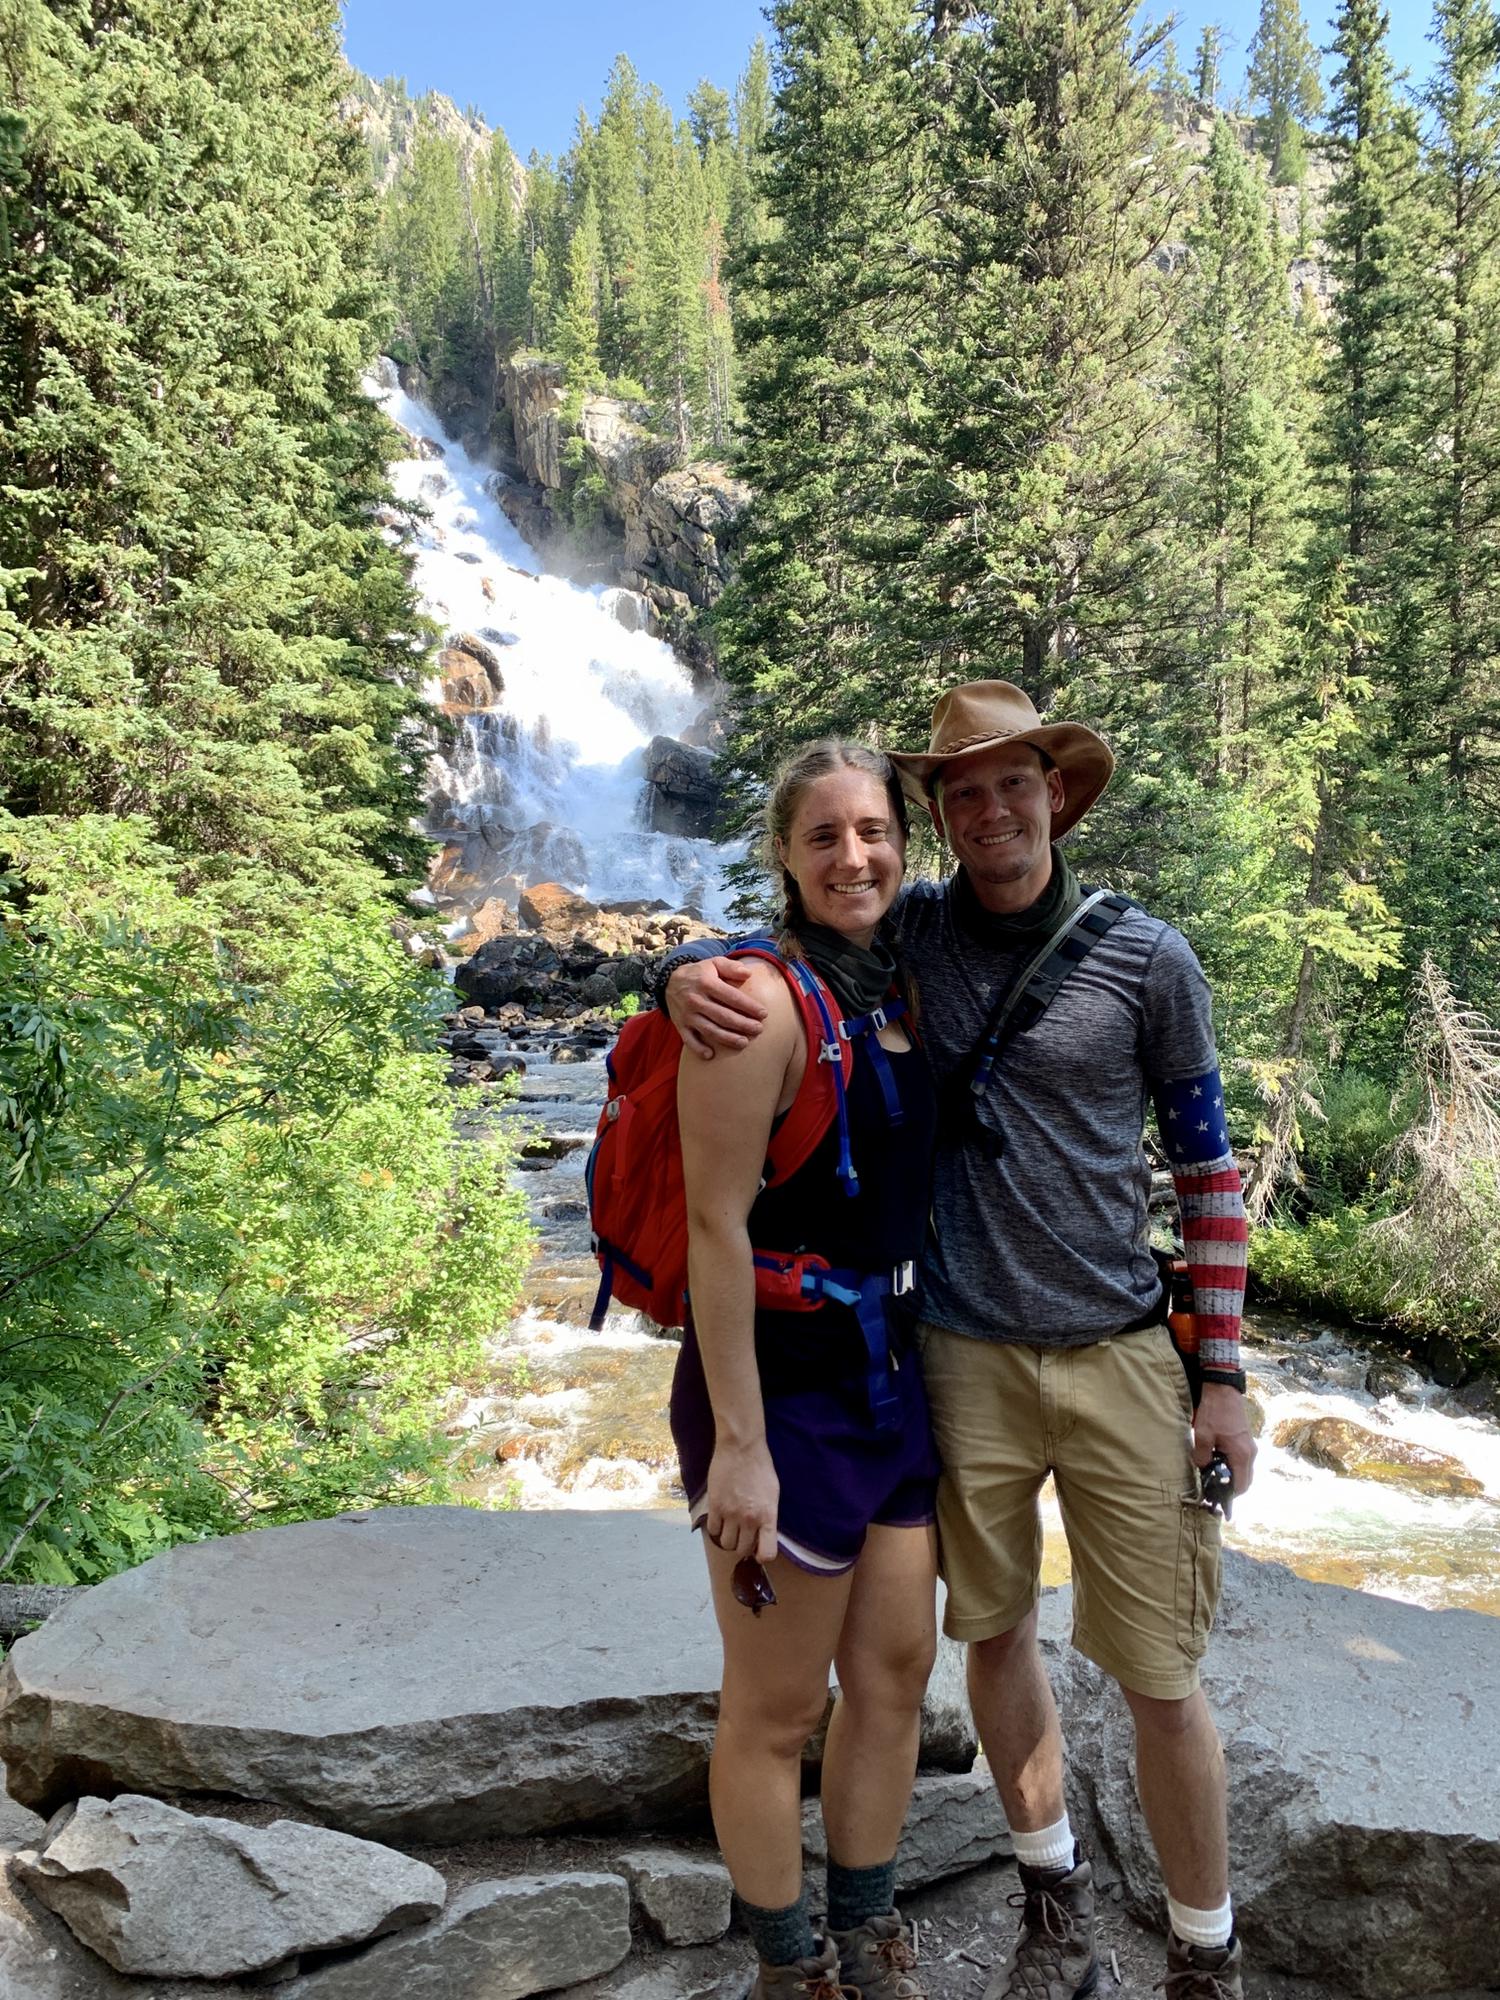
pixel 1356 1453
pixel 954 1823
pixel 685 790
pixel 495 1941
pixel 1364 1813
pixel 684 1899
pixel 572 954
pixel 157 1891
pixel 666 531
pixel 423 1673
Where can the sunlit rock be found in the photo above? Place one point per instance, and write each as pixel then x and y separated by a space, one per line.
pixel 1356 1453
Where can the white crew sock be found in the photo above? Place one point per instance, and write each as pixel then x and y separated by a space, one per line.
pixel 1048 1847
pixel 1210 1928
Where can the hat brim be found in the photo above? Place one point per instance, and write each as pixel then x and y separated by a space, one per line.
pixel 1085 762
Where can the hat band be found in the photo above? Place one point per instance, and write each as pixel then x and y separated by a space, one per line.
pixel 984 736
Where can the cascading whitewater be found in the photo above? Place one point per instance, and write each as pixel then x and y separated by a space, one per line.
pixel 549 785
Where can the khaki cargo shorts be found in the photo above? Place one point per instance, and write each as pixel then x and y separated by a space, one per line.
pixel 1111 1423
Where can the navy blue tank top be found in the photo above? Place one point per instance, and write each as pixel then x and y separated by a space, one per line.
pixel 884 1225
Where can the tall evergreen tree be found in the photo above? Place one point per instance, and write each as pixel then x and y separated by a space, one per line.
pixel 1282 73
pixel 1044 456
pixel 827 360
pixel 577 332
pixel 200 626
pixel 1243 476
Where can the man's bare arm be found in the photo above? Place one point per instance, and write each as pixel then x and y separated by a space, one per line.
pixel 712 1007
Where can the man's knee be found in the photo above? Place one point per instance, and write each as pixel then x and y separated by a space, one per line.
pixel 1169 1717
pixel 991 1658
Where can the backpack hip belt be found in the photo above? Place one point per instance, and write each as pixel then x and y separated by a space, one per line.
pixel 802 1283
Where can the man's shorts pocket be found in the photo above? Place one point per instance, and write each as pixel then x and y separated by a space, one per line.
pixel 1199 1565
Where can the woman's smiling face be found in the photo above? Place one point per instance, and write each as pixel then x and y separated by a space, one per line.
pixel 846 851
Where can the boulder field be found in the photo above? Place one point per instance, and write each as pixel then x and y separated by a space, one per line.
pixel 439 1675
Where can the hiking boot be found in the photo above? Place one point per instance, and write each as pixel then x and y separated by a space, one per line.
pixel 1054 1956
pixel 877 1957
pixel 815 1978
pixel 1203 1971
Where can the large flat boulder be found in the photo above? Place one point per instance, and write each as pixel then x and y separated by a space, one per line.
pixel 154 1890
pixel 408 1674
pixel 1364 1794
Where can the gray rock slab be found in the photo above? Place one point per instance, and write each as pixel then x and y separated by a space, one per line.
pixel 40 1959
pixel 417 1674
pixel 684 1898
pixel 154 1890
pixel 1364 1792
pixel 495 1941
pixel 19 1827
pixel 954 1823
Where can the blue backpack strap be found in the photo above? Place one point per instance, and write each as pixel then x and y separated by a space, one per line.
pixel 869 1026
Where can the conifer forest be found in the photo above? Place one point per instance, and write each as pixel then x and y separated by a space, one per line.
pixel 1042 358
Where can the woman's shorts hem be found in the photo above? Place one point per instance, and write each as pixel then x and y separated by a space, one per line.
pixel 816 1562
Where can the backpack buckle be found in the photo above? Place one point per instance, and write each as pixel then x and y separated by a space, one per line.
pixel 612 1109
pixel 903 1279
pixel 830 1052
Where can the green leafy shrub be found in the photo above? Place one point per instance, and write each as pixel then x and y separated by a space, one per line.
pixel 243 1259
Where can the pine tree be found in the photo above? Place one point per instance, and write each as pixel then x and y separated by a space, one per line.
pixel 620 184
pixel 200 625
pixel 709 116
pixel 1460 419
pixel 1243 471
pixel 1282 73
pixel 1044 485
pixel 1206 63
pixel 827 361
pixel 577 331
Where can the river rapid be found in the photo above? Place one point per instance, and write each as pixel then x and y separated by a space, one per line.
pixel 550 784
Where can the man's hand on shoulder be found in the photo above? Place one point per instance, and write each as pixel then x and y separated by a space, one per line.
pixel 712 1006
pixel 1222 1423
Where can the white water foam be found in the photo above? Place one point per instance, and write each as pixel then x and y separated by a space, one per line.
pixel 554 778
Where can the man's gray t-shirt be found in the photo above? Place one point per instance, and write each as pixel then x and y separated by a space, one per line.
pixel 1047 1242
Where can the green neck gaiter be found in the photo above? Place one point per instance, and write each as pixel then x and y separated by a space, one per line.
pixel 1030 926
pixel 861 978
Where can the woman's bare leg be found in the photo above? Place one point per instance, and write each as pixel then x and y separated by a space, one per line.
pixel 774 1693
pixel 884 1657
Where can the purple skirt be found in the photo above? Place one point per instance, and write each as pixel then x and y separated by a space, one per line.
pixel 839 1475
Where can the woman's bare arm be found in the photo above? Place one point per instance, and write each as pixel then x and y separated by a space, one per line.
pixel 725 1113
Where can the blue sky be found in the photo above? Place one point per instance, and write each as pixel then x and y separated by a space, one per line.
pixel 528 67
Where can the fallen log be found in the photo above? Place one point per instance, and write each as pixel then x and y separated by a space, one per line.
pixel 24 1606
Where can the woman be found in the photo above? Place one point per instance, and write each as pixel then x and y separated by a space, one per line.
pixel 803 1437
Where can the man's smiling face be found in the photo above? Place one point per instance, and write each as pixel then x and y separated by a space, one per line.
pixel 995 807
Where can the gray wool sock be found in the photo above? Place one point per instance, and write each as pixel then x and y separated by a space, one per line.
pixel 857 1894
pixel 780 1937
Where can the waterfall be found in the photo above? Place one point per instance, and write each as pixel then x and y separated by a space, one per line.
pixel 549 784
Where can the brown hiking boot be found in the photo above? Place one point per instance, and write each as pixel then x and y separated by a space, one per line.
pixel 815 1978
pixel 1203 1972
pixel 1054 1956
pixel 877 1958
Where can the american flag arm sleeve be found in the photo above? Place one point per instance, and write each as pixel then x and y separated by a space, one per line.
pixel 1190 1116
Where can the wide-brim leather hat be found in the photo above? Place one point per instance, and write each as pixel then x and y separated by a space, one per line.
pixel 982 715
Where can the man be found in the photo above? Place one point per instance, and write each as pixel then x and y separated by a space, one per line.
pixel 1042 1338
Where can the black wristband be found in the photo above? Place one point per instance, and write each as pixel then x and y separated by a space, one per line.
pixel 1226 1378
pixel 682 956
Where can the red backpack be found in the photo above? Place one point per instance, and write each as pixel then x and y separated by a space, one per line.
pixel 637 1200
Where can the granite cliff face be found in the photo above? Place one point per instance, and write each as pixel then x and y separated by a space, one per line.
pixel 595 488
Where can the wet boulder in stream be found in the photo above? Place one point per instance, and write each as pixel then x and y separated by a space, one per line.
pixel 1353 1452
